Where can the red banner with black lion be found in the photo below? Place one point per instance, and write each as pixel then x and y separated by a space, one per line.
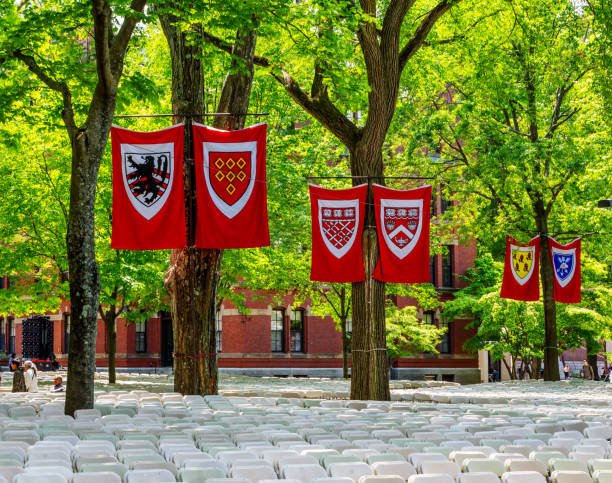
pixel 148 194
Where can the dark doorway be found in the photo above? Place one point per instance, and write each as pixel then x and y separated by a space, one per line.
pixel 167 340
pixel 37 338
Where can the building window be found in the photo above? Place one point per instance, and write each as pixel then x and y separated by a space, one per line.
pixel 219 330
pixel 349 327
pixel 432 206
pixel 444 205
pixel 66 333
pixel 432 270
pixel 278 330
pixel 297 330
pixel 2 335
pixel 2 284
pixel 428 318
pixel 445 342
pixel 141 337
pixel 11 332
pixel 447 267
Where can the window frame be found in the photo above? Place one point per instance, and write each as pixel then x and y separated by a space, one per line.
pixel 218 331
pixel 300 332
pixel 11 335
pixel 447 267
pixel 140 337
pixel 446 344
pixel 277 336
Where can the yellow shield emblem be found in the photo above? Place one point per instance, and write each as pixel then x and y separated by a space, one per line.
pixel 522 262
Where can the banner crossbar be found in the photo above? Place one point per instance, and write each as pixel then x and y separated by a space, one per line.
pixel 209 114
pixel 369 177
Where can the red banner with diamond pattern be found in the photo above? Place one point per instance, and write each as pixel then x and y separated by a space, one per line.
pixel 231 187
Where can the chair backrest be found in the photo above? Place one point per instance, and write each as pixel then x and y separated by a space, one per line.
pixel 478 477
pixel 431 478
pixel 602 476
pixel 40 478
pixel 526 465
pixel 570 477
pixel 523 477
pixel 483 464
pixel 401 468
pixel 148 476
pixel 96 477
pixel 303 472
pixel 447 467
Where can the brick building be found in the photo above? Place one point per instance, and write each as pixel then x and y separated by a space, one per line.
pixel 273 339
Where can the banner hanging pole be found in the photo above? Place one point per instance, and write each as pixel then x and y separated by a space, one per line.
pixel 189 116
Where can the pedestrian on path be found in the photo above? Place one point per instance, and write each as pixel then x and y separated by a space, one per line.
pixel 587 371
pixel 18 377
pixel 30 375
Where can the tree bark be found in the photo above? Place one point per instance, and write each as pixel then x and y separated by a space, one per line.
pixel 345 340
pixel 369 374
pixel 110 326
pixel 193 275
pixel 551 341
pixel 592 350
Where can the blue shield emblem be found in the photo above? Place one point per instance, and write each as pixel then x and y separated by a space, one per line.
pixel 564 264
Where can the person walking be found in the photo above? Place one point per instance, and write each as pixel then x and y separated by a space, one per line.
pixel 587 371
pixel 566 371
pixel 31 378
pixel 18 376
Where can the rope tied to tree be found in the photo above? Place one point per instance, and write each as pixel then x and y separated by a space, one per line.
pixel 194 356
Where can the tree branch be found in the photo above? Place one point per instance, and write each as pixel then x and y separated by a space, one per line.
pixel 61 87
pixel 322 109
pixel 419 36
pixel 119 43
pixel 227 47
pixel 102 22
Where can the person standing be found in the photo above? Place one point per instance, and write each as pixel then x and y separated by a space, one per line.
pixel 566 371
pixel 587 371
pixel 11 357
pixel 18 377
pixel 31 378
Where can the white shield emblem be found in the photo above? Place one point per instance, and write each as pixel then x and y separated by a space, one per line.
pixel 230 178
pixel 522 263
pixel 148 173
pixel 402 223
pixel 338 224
pixel 564 263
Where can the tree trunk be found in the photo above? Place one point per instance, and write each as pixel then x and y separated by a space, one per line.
pixel 88 146
pixel 369 376
pixel 193 274
pixel 551 353
pixel 593 349
pixel 111 350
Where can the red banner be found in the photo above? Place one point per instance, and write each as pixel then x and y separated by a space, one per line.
pixel 566 267
pixel 402 221
pixel 231 187
pixel 521 271
pixel 148 196
pixel 337 226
